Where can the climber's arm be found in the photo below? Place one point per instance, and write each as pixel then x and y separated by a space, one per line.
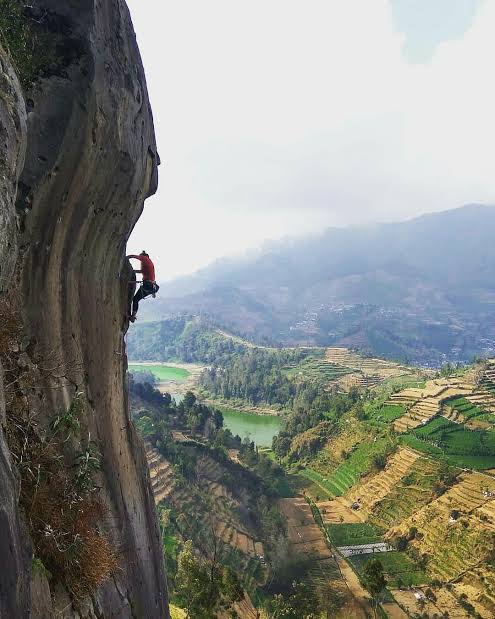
pixel 136 258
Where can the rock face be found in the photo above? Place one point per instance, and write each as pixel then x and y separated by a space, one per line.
pixel 91 161
pixel 14 575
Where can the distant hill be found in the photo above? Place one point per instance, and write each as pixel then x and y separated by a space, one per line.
pixel 422 290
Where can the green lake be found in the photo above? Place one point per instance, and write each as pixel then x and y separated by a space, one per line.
pixel 259 428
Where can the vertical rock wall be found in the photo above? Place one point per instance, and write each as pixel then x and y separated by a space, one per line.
pixel 91 162
pixel 14 549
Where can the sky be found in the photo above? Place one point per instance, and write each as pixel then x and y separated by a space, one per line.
pixel 276 118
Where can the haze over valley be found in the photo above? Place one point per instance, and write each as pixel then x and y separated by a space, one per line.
pixel 421 290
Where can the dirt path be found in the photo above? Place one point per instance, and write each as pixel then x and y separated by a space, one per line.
pixel 352 581
pixel 306 538
pixel 394 611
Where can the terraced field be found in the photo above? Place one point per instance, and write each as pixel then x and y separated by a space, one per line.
pixel 359 462
pixel 445 602
pixel 423 404
pixel 317 369
pixel 455 545
pixel 354 534
pixel 400 570
pixel 375 488
pixel 367 365
pixel 338 447
pixel 473 411
pixel 350 470
pixel 239 547
pixel 367 372
pixel 457 550
pixel 467 448
pixel 386 413
pixel 450 512
pixel 408 495
pixel 478 585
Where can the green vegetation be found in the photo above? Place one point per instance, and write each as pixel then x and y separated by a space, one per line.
pixel 317 369
pixel 360 461
pixel 177 613
pixel 205 587
pixel 184 338
pixel 319 410
pixel 61 502
pixel 354 534
pixel 299 603
pixel 199 460
pixel 470 411
pixel 256 375
pixel 452 441
pixel 385 413
pixel 36 40
pixel 400 570
pixel 323 490
pixel 162 372
pixel 374 580
pixel 329 443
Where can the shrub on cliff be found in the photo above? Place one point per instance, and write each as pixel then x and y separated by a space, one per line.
pixel 15 36
pixel 38 40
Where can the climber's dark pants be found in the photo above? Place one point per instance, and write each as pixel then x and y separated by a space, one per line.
pixel 144 291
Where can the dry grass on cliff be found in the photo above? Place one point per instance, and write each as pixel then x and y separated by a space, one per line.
pixel 10 327
pixel 63 520
pixel 58 493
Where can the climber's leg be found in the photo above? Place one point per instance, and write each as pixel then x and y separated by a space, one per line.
pixel 139 296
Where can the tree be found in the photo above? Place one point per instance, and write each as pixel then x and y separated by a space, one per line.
pixel 193 586
pixel 189 399
pixel 301 604
pixel 204 587
pixel 374 580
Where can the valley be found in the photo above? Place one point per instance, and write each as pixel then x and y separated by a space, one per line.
pixel 373 459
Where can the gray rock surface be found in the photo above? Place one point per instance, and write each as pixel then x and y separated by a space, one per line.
pixel 90 163
pixel 14 549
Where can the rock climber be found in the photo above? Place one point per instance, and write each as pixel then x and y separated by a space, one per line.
pixel 148 286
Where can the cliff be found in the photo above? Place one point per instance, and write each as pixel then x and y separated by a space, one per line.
pixel 14 577
pixel 90 163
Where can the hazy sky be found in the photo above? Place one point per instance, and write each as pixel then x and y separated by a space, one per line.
pixel 277 117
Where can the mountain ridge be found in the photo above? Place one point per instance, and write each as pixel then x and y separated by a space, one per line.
pixel 356 286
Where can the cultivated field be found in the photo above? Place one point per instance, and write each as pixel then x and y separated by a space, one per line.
pixel 456 529
pixel 400 570
pixel 422 404
pixel 307 541
pixel 376 487
pixel 368 366
pixel 354 534
pixel 223 520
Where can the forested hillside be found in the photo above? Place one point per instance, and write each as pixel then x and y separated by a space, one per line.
pixel 421 290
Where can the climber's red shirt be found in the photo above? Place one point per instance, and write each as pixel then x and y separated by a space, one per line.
pixel 147 267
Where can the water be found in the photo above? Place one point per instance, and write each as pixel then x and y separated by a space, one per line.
pixel 259 428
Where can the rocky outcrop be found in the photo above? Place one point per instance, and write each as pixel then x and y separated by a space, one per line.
pixel 14 575
pixel 91 161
